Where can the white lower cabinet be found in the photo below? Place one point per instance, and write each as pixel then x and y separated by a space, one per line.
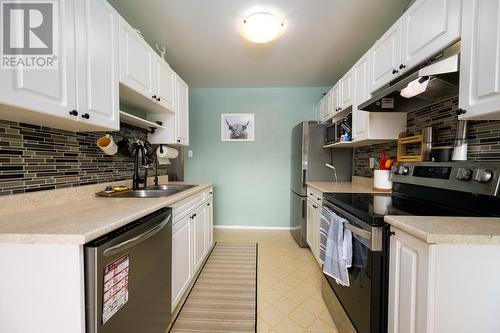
pixel 192 238
pixel 199 218
pixel 314 203
pixel 442 288
pixel 181 258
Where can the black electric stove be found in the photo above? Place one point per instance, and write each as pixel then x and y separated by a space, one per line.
pixel 419 189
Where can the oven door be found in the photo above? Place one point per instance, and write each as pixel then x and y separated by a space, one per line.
pixel 365 300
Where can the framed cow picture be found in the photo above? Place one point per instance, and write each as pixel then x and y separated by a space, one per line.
pixel 237 126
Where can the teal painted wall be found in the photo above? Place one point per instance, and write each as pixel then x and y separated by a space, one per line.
pixel 252 179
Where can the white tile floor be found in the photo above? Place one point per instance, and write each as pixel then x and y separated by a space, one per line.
pixel 289 283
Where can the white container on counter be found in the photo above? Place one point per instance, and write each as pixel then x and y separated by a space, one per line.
pixel 381 179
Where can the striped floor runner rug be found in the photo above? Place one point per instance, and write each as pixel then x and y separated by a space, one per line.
pixel 223 298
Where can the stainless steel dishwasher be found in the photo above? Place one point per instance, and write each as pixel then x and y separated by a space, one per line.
pixel 128 277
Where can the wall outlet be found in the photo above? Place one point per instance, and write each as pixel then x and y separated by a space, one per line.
pixel 190 153
pixel 372 162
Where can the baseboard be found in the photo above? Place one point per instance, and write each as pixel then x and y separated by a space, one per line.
pixel 249 227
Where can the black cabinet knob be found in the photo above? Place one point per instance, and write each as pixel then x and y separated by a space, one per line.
pixel 208 204
pixel 158 99
pixel 210 192
pixel 461 111
pixel 154 96
pixel 395 71
pixel 390 233
pixel 73 113
pixel 85 116
pixel 178 140
pixel 402 66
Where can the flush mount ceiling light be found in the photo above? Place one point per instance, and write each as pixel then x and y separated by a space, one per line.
pixel 261 27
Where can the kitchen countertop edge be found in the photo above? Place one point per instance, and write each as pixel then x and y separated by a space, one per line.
pixel 449 230
pixel 83 238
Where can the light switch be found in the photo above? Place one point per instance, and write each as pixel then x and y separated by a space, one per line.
pixel 190 153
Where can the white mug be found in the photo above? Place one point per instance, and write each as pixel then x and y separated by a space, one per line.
pixel 107 145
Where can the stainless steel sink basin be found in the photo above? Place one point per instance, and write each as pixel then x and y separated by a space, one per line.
pixel 168 187
pixel 156 192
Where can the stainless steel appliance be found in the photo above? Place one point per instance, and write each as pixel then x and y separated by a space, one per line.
pixel 335 130
pixel 433 81
pixel 421 189
pixel 308 164
pixel 128 277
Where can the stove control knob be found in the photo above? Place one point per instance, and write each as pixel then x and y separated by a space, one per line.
pixel 403 170
pixel 483 176
pixel 464 174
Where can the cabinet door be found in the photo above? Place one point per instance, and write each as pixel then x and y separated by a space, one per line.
pixel 136 61
pixel 310 224
pixel 181 259
pixel 48 91
pixel 182 112
pixel 317 113
pixel 408 284
pixel 209 225
pixel 328 109
pixel 360 118
pixel 98 63
pixel 198 222
pixel 346 88
pixel 480 60
pixel 165 84
pixel 429 26
pixel 315 232
pixel 386 57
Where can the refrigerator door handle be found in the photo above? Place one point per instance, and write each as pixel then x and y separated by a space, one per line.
pixel 304 209
pixel 136 240
pixel 304 178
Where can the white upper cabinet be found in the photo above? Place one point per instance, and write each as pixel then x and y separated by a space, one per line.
pixel 345 91
pixel 360 119
pixel 327 105
pixel 50 92
pixel 480 60
pixel 165 84
pixel 97 63
pixel 385 57
pixel 82 92
pixel 428 27
pixel 137 61
pixel 182 112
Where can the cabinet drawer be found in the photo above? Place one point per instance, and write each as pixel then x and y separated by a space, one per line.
pixel 184 207
pixel 314 195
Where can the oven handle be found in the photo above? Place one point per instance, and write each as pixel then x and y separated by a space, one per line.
pixel 374 237
pixel 358 231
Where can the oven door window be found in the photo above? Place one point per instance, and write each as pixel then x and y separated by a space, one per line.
pixel 357 298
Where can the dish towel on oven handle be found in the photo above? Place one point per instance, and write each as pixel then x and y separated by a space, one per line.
pixel 338 256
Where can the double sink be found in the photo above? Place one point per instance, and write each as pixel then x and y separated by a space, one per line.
pixel 159 191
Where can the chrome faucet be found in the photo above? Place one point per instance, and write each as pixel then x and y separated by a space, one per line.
pixel 334 171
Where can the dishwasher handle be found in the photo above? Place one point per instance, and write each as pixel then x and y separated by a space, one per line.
pixel 137 239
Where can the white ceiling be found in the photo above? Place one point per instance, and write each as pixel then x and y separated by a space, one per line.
pixel 323 38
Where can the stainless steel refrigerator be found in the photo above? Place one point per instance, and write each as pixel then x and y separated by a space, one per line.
pixel 308 164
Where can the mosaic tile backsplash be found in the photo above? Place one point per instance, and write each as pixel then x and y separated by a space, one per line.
pixel 35 158
pixel 484 136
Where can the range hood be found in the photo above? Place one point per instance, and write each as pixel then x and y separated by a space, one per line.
pixel 432 82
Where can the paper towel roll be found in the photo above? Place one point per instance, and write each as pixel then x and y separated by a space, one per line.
pixel 165 153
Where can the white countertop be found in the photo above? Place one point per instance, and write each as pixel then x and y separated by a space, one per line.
pixel 358 185
pixel 449 230
pixel 77 218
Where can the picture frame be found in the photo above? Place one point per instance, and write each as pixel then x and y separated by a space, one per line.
pixel 237 127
